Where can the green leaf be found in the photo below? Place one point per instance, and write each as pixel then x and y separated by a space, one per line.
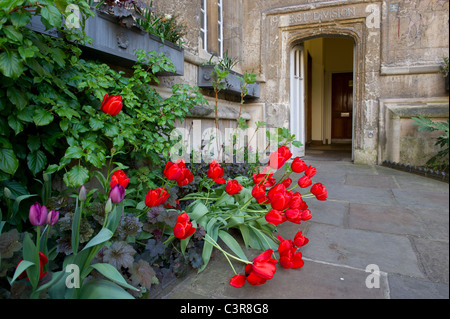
pixel 103 236
pixel 23 265
pixel 17 97
pixel 34 142
pixel 198 211
pixel 74 152
pixel 36 161
pixel 10 64
pixel 52 15
pixel 8 161
pixel 12 34
pixel 103 289
pixel 113 274
pixel 232 244
pixel 16 125
pixel 20 19
pixel 77 176
pixel 42 117
pixel 96 124
pixel 30 254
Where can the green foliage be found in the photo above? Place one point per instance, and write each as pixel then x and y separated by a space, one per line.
pixel 50 102
pixel 440 160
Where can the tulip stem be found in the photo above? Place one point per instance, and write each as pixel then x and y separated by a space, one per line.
pixel 38 237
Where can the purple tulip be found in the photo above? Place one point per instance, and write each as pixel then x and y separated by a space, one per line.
pixel 52 218
pixel 38 214
pixel 117 193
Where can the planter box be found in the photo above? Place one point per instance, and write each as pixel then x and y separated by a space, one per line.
pixel 233 83
pixel 115 44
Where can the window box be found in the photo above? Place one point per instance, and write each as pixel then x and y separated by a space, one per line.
pixel 115 44
pixel 234 84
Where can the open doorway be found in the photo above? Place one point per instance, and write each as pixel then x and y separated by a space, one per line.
pixel 326 94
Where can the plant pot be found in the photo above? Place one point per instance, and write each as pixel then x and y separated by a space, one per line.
pixel 115 44
pixel 233 83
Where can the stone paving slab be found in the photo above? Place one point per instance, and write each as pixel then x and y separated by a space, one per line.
pixel 411 288
pixel 372 181
pixel 421 199
pixel 359 248
pixel 434 258
pixel 385 219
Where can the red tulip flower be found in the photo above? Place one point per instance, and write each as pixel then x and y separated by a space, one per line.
pixel 300 240
pixel 262 269
pixel 233 187
pixel 174 171
pixel 111 105
pixel 43 260
pixel 289 257
pixel 281 200
pixel 304 181
pixel 294 215
pixel 215 172
pixel 310 171
pixel 183 228
pixel 319 191
pixel 119 177
pixel 296 201
pixel 186 177
pixel 275 217
pixel 259 191
pixel 287 182
pixel 298 166
pixel 156 197
pixel 279 157
pixel 237 281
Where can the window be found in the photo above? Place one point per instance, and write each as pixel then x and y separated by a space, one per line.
pixel 211 26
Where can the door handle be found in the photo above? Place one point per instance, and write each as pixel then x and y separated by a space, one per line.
pixel 346 114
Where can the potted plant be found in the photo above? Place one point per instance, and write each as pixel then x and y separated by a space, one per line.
pixel 208 74
pixel 116 33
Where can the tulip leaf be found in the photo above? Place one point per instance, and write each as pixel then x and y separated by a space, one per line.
pixel 103 289
pixel 232 244
pixel 31 254
pixel 103 236
pixel 113 274
pixel 23 265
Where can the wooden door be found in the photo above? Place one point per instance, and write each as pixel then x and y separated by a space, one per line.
pixel 342 106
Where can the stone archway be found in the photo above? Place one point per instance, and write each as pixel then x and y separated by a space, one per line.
pixel 283 28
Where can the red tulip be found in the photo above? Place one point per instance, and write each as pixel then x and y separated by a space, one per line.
pixel 43 260
pixel 304 181
pixel 259 191
pixel 319 191
pixel 183 228
pixel 289 257
pixel 215 172
pixel 264 179
pixel 275 217
pixel 119 177
pixel 300 240
pixel 111 104
pixel 310 171
pixel 233 187
pixel 280 200
pixel 156 197
pixel 262 269
pixel 294 216
pixel 287 182
pixel 174 171
pixel 237 281
pixel 279 157
pixel 306 215
pixel 279 188
pixel 186 177
pixel 298 166
pixel 296 201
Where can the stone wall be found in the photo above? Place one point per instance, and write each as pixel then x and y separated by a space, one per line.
pixel 399 47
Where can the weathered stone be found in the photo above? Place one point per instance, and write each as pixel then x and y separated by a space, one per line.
pixel 411 288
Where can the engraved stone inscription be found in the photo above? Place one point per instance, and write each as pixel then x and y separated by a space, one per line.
pixel 323 15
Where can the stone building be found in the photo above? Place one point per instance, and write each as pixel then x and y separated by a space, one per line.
pixel 332 71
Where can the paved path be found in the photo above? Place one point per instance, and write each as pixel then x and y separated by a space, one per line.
pixel 374 216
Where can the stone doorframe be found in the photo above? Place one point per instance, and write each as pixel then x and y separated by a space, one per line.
pixel 284 28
